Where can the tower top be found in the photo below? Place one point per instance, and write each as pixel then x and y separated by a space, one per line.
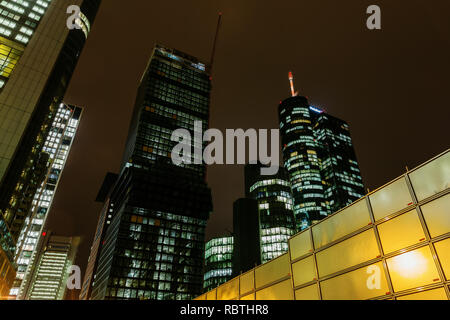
pixel 291 80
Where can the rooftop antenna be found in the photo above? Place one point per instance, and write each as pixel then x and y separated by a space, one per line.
pixel 213 54
pixel 291 80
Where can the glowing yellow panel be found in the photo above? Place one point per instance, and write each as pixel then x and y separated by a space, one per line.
pixel 272 271
pixel 304 271
pixel 435 294
pixel 443 253
pixel 362 284
pixel 390 199
pixel 341 224
pixel 307 293
pixel 401 232
pixel 229 290
pixel 412 269
pixel 358 249
pixel 249 297
pixel 436 214
pixel 211 295
pixel 432 178
pixel 300 244
pixel 280 291
pixel 202 297
pixel 247 282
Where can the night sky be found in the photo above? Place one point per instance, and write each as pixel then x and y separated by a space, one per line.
pixel 391 86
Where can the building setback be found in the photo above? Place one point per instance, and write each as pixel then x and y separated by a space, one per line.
pixel 38 55
pixel 154 245
pixel 218 262
pixel 320 159
pixel 275 208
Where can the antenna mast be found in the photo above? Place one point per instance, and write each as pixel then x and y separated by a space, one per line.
pixel 213 54
pixel 291 80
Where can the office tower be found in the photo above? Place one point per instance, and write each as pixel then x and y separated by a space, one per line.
pixel 50 268
pixel 104 221
pixel 218 262
pixel 57 146
pixel 154 245
pixel 275 207
pixel 38 55
pixel 246 249
pixel 339 167
pixel 392 244
pixel 319 156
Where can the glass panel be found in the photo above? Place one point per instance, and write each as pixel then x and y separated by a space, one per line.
pixel 390 199
pixel 443 253
pixel 304 271
pixel 249 297
pixel 436 214
pixel 307 293
pixel 361 284
pixel 229 290
pixel 280 291
pixel 341 224
pixel 412 269
pixel 401 232
pixel 358 249
pixel 431 178
pixel 300 245
pixel 435 294
pixel 247 282
pixel 272 271
pixel 202 297
pixel 211 295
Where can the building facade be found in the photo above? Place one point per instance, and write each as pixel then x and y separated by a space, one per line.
pixel 49 269
pixel 275 207
pixel 57 145
pixel 218 262
pixel 394 243
pixel 154 245
pixel 246 232
pixel 319 156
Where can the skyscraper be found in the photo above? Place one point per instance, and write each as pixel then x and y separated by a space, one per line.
pixel 275 208
pixel 218 262
pixel 246 249
pixel 49 269
pixel 38 55
pixel 154 245
pixel 57 145
pixel 319 156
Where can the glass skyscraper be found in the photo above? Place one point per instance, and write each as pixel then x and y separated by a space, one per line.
pixel 57 145
pixel 275 207
pixel 218 262
pixel 153 246
pixel 38 55
pixel 319 156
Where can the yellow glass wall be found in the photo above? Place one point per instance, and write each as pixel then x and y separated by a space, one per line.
pixel 7 275
pixel 392 244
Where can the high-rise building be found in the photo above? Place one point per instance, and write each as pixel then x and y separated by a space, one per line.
pixel 319 156
pixel 246 249
pixel 103 221
pixel 218 262
pixel 38 55
pixel 154 245
pixel 57 145
pixel 275 207
pixel 49 268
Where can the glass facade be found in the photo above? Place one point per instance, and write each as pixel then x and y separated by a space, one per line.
pixel 275 207
pixel 7 275
pixel 319 156
pixel 57 145
pixel 356 254
pixel 154 243
pixel 218 262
